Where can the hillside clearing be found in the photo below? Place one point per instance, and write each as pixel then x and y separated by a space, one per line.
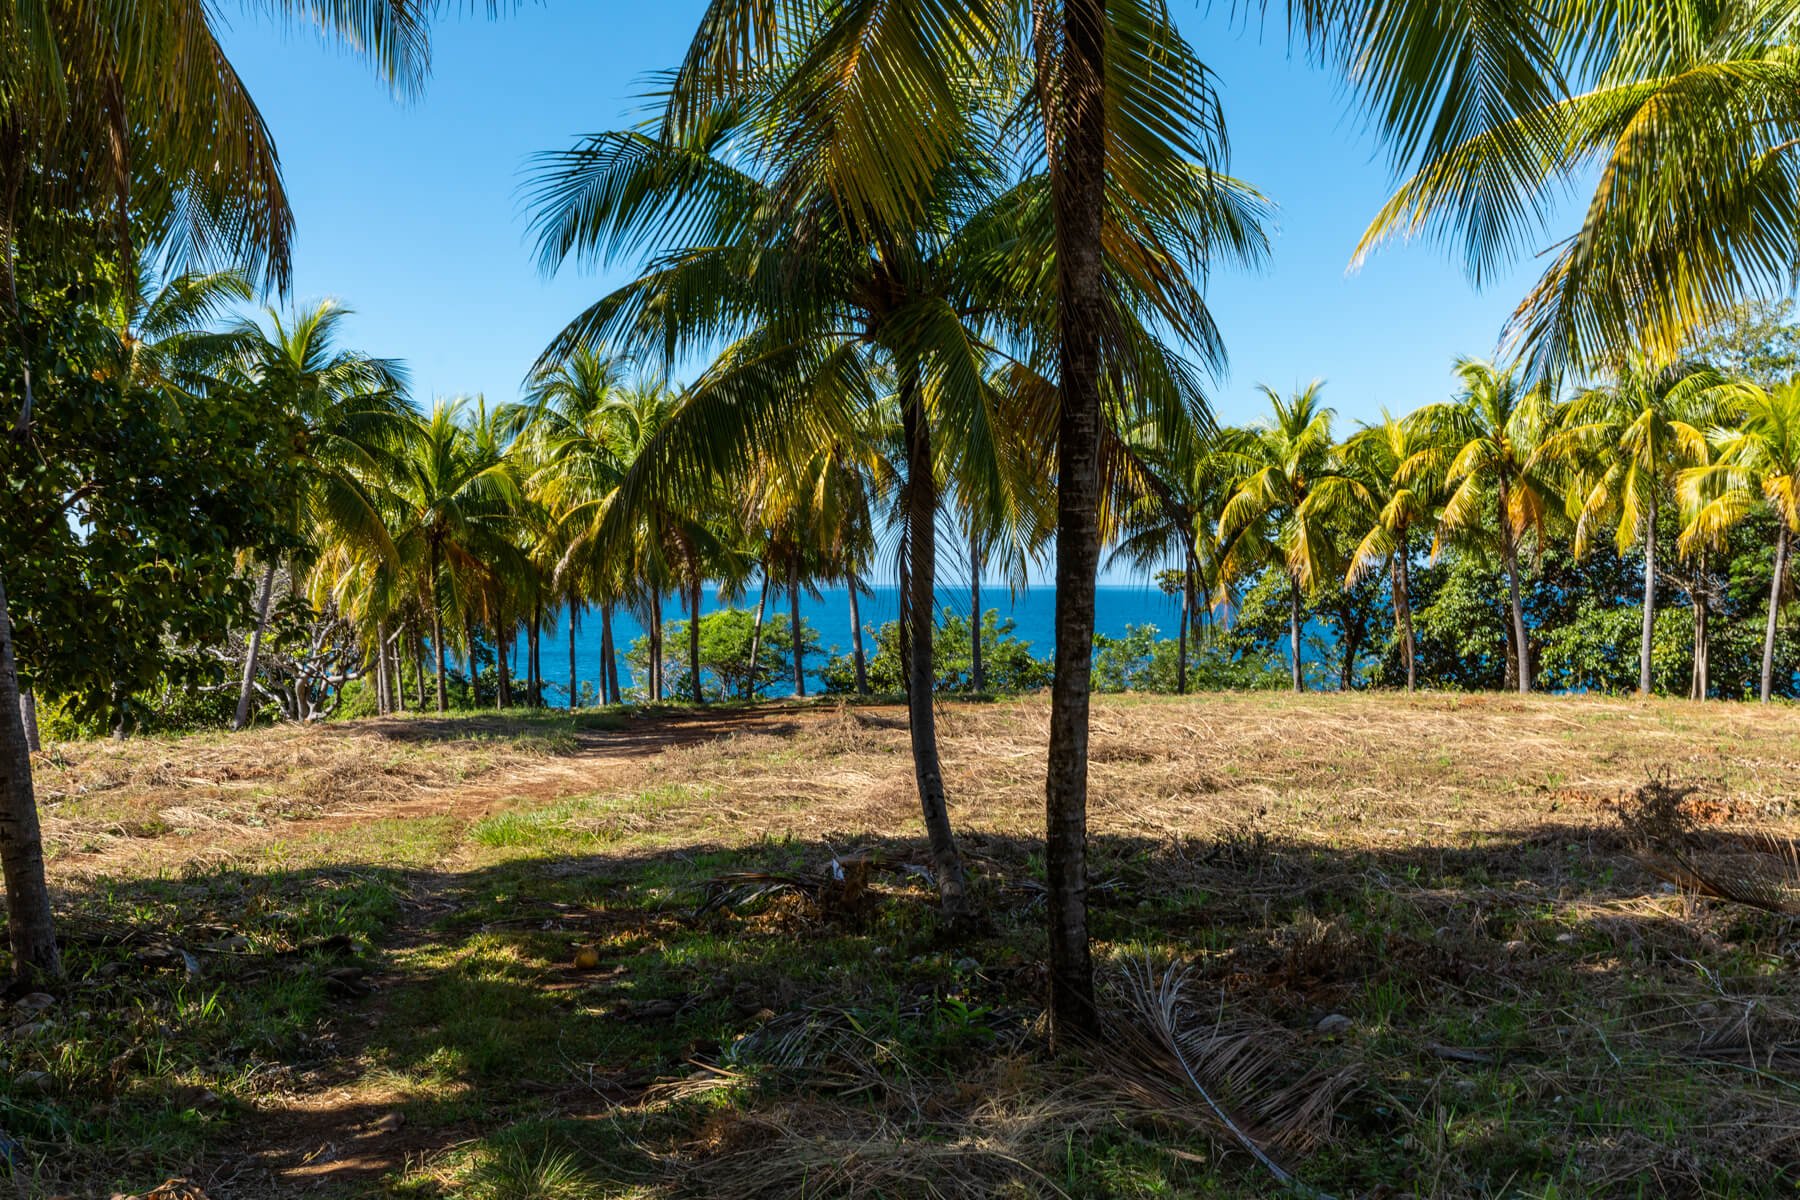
pixel 337 960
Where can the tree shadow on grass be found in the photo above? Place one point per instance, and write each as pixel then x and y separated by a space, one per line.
pixel 1528 1010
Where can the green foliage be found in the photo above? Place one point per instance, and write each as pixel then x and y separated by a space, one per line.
pixel 1140 661
pixel 725 640
pixel 126 510
pixel 1006 659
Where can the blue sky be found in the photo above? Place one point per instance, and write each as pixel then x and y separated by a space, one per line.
pixel 411 213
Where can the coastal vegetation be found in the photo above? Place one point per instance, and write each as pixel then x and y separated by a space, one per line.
pixel 907 283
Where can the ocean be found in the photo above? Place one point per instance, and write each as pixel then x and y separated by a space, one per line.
pixel 1033 611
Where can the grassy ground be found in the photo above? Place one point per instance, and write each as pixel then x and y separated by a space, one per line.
pixel 507 958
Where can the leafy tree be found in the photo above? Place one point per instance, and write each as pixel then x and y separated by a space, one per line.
pixel 727 639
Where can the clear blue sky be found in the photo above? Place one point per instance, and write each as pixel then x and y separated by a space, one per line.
pixel 411 212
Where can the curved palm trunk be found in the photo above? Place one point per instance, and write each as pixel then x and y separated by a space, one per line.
pixel 1649 601
pixel 1185 625
pixel 607 652
pixel 418 657
pixel 30 926
pixel 694 638
pixel 383 701
pixel 1078 196
pixel 242 717
pixel 1299 677
pixel 977 668
pixel 574 683
pixel 794 623
pixel 536 663
pixel 856 640
pixel 1768 658
pixel 503 645
pixel 918 652
pixel 656 650
pixel 474 667
pixel 1403 616
pixel 762 604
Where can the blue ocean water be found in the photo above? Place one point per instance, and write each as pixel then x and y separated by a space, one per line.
pixel 1032 610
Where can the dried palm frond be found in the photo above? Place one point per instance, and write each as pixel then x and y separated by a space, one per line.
pixel 1162 1052
pixel 1760 868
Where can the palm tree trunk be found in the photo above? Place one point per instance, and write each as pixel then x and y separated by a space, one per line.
pixel 1649 601
pixel 28 717
pixel 1294 633
pixel 1768 658
pixel 607 652
pixel 535 658
pixel 856 640
pixel 1181 625
pixel 503 646
pixel 1702 681
pixel 977 668
pixel 794 620
pixel 918 652
pixel 656 650
pixel 242 716
pixel 574 683
pixel 762 604
pixel 383 703
pixel 1403 616
pixel 694 636
pixel 437 632
pixel 397 659
pixel 1078 196
pixel 30 926
pixel 1509 551
pixel 418 657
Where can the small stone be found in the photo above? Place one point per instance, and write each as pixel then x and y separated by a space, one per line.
pixel 1335 1023
pixel 1667 889
pixel 32 1081
pixel 880 952
pixel 390 1123
pixel 35 1002
pixel 33 1029
pixel 965 966
pixel 1565 939
pixel 1515 946
pixel 1707 1010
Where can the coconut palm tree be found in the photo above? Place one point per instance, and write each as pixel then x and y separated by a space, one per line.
pixel 1268 520
pixel 1385 488
pixel 452 497
pixel 346 409
pixel 1623 444
pixel 1682 122
pixel 1490 446
pixel 1756 463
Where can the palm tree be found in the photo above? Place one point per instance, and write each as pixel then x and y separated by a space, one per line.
pixel 1756 463
pixel 1625 443
pixel 346 409
pixel 1268 519
pixel 1490 447
pixel 452 498
pixel 1385 488
pixel 1684 121
pixel 152 91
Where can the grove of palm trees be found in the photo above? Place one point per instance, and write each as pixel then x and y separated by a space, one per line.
pixel 416 791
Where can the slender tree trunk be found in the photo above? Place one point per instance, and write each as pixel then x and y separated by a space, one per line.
pixel 1775 587
pixel 1181 637
pixel 28 717
pixel 856 640
pixel 1078 196
pixel 607 652
pixel 397 659
pixel 574 683
pixel 437 633
pixel 30 927
pixel 977 668
pixel 1509 549
pixel 1701 683
pixel 474 666
pixel 383 702
pixel 245 690
pixel 1294 633
pixel 535 653
pixel 794 617
pixel 694 638
pixel 418 657
pixel 756 632
pixel 1403 617
pixel 918 652
pixel 503 647
pixel 120 721
pixel 1644 647
pixel 656 650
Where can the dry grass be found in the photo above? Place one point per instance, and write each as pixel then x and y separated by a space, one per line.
pixel 1527 1009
